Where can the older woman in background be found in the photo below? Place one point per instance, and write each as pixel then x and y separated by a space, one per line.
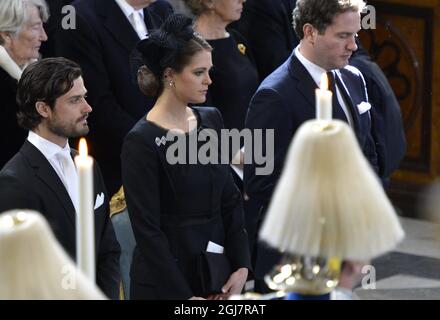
pixel 21 35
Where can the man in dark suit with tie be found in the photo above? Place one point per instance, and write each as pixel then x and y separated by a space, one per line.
pixel 267 25
pixel 286 98
pixel 52 106
pixel 101 43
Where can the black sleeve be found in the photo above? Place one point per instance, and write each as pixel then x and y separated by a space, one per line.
pixel 236 243
pixel 161 8
pixel 107 267
pixel 140 174
pixel 371 153
pixel 236 238
pixel 267 110
pixel 386 117
pixel 369 149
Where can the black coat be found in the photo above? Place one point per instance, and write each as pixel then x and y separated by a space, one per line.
pixel 28 181
pixel 11 135
pixel 267 26
pixel 234 79
pixel 387 124
pixel 175 210
pixel 52 25
pixel 102 43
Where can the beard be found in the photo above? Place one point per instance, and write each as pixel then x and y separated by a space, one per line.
pixel 72 130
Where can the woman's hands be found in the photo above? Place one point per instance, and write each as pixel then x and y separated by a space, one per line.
pixel 234 285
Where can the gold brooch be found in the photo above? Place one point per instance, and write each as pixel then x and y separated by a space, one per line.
pixel 242 48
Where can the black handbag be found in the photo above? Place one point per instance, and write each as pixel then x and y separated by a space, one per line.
pixel 214 270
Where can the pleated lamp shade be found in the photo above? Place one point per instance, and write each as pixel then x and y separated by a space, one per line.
pixel 33 265
pixel 328 201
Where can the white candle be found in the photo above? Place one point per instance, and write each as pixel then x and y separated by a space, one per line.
pixel 323 100
pixel 85 218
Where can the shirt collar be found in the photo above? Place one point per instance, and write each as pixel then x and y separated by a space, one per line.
pixel 127 9
pixel 314 70
pixel 46 147
pixel 9 65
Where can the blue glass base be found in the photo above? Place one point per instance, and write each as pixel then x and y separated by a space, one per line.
pixel 299 296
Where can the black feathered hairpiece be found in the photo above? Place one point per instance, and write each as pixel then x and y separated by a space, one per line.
pixel 161 48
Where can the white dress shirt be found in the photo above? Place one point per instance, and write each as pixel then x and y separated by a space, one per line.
pixel 61 161
pixel 316 72
pixel 135 17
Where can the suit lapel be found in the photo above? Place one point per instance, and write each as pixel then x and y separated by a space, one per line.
pixel 304 81
pixel 48 176
pixel 117 23
pixel 349 101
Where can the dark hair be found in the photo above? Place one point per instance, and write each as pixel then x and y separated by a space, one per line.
pixel 320 13
pixel 45 80
pixel 171 46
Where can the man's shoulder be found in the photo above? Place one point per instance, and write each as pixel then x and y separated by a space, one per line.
pixel 91 10
pixel 161 7
pixel 263 7
pixel 350 70
pixel 85 5
pixel 280 77
pixel 15 179
pixel 16 168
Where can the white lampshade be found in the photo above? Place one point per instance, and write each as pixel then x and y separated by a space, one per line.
pixel 33 265
pixel 328 201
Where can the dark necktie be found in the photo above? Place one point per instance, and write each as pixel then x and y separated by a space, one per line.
pixel 338 112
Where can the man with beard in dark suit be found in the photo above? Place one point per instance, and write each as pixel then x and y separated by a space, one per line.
pixel 42 175
pixel 106 32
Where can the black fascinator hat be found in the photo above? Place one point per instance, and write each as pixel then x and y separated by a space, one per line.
pixel 172 45
pixel 161 48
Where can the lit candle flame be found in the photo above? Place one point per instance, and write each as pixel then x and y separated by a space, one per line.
pixel 83 148
pixel 324 82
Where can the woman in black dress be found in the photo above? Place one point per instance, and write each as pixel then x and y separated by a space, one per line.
pixel 179 211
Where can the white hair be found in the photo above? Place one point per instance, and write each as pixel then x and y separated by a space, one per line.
pixel 14 13
pixel 328 201
pixel 33 265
